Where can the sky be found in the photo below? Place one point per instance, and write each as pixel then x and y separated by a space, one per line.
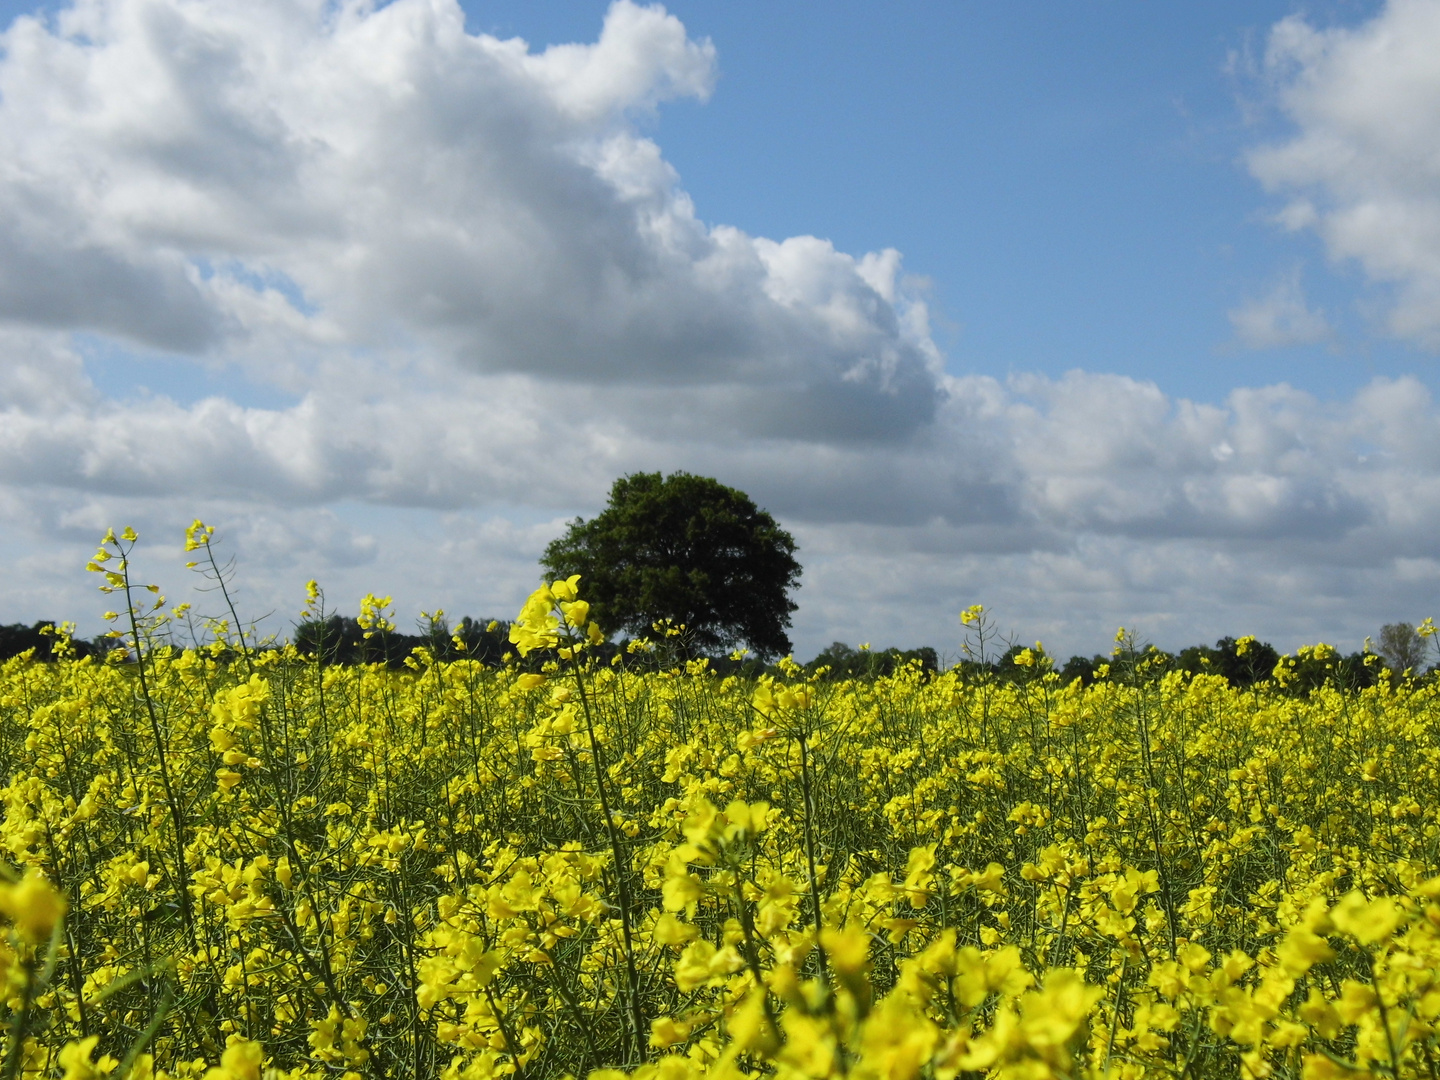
pixel 1100 314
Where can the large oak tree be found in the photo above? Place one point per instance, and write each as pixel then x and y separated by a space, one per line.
pixel 688 549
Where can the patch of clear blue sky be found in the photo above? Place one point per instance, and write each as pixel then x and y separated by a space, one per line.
pixel 1067 175
pixel 124 373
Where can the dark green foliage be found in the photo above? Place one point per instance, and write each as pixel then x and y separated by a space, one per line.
pixel 1347 672
pixel 1256 665
pixel 1077 667
pixel 843 662
pixel 16 638
pixel 1402 648
pixel 340 640
pixel 688 550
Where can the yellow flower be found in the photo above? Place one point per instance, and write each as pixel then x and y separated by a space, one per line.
pixel 681 890
pixel 918 875
pixel 565 590
pixel 991 880
pixel 848 949
pixel 1194 956
pixel 666 1031
pixel 749 1028
pixel 671 931
pixel 75 1060
pixel 1321 1015
pixel 198 535
pixel 809 1045
pixel 795 698
pixel 374 617
pixel 1356 999
pixel 32 905
pixel 240 1061
pixel 1302 949
pixel 701 962
pixel 1321 1067
pixel 746 819
pixel 1367 921
pixel 1051 1016
pixel 978 974
pixel 536 627
pixel 896 1041
pixel 763 699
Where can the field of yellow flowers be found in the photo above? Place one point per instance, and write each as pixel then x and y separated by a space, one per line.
pixel 226 862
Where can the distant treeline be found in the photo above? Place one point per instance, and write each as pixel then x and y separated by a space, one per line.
pixel 341 640
pixel 840 661
pixel 336 640
pixel 1255 664
pixel 1242 666
pixel 1241 663
pixel 18 638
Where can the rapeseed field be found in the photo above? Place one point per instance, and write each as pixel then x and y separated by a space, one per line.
pixel 230 862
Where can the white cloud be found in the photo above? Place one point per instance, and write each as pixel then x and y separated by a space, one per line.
pixel 485 295
pixel 1362 169
pixel 1281 318
pixel 193 175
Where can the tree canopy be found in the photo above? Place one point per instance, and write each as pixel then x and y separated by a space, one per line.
pixel 1402 647
pixel 689 550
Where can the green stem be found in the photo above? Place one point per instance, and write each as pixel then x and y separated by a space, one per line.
pixel 810 852
pixel 171 799
pixel 622 877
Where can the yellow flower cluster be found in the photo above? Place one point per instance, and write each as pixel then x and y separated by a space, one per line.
pixel 229 864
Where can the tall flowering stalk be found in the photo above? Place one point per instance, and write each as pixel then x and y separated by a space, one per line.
pixel 555 618
pixel 112 559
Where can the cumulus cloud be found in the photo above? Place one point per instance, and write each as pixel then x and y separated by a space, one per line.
pixel 483 293
pixel 192 175
pixel 1361 169
pixel 1281 318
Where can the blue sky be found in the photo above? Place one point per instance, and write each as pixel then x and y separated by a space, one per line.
pixel 1098 313
pixel 1068 176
